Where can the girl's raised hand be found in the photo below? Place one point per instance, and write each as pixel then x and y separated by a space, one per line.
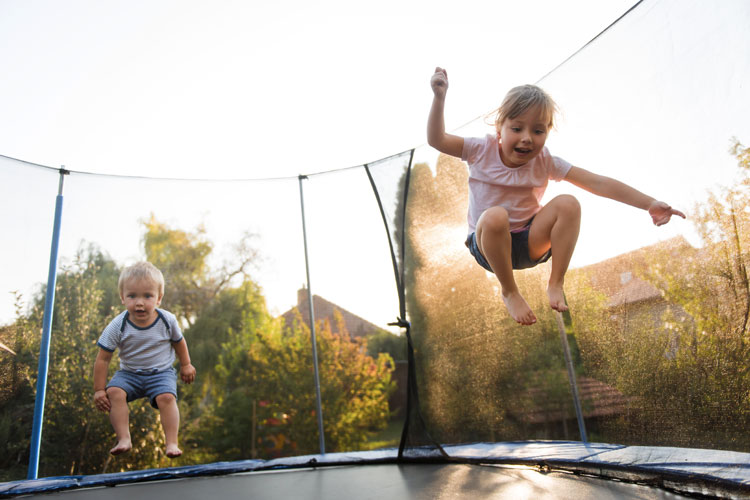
pixel 439 82
pixel 660 213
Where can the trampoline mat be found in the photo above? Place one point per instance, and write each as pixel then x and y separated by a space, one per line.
pixel 428 481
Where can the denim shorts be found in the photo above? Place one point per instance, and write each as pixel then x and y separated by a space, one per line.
pixel 519 250
pixel 145 385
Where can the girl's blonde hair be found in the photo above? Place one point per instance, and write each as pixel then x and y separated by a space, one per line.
pixel 522 98
pixel 139 271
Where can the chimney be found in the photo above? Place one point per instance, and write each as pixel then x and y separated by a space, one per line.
pixel 302 296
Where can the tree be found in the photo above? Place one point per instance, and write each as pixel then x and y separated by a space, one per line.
pixel 183 259
pixel 710 365
pixel 219 341
pixel 386 342
pixel 232 310
pixel 75 438
pixel 232 333
pixel 265 396
pixel 16 396
pixel 683 366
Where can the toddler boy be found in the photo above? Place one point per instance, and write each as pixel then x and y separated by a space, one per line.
pixel 148 339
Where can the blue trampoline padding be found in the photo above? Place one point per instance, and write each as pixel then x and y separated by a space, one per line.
pixel 720 465
pixel 691 464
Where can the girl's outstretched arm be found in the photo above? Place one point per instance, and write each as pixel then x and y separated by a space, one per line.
pixel 607 187
pixel 436 137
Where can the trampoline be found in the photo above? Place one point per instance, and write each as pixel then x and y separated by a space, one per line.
pixel 560 470
pixel 640 391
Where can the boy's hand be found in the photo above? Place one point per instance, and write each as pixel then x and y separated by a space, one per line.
pixel 102 401
pixel 439 82
pixel 660 213
pixel 187 373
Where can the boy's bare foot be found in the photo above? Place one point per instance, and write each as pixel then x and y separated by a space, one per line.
pixel 121 447
pixel 556 298
pixel 173 451
pixel 518 308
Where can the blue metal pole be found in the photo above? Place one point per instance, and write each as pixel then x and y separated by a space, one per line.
pixel 41 383
pixel 321 436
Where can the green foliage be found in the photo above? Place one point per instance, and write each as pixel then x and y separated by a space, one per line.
pixel 355 387
pixel 16 409
pixel 75 437
pixel 69 413
pixel 231 311
pixel 265 393
pixel 16 394
pixel 678 360
pixel 682 361
pixel 712 343
pixel 223 337
pixel 386 342
pixel 254 394
pixel 183 259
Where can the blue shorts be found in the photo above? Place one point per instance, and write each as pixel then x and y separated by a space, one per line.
pixel 519 250
pixel 145 385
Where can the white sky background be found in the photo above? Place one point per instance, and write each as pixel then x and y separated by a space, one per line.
pixel 250 89
pixel 230 89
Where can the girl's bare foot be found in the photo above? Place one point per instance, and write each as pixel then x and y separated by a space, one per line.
pixel 173 451
pixel 556 298
pixel 122 446
pixel 518 308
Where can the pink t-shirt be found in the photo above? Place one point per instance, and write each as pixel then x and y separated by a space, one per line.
pixel 518 190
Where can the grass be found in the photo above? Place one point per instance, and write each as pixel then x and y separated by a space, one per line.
pixel 389 437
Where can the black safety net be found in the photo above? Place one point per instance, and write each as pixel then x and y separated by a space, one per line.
pixel 658 324
pixel 414 347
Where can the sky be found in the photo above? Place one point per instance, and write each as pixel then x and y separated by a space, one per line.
pixel 193 89
pixel 165 88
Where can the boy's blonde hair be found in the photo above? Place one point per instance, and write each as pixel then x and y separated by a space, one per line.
pixel 522 98
pixel 139 271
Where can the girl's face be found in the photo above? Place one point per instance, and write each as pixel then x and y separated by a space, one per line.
pixel 141 298
pixel 522 138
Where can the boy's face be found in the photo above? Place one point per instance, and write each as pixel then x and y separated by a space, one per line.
pixel 141 298
pixel 522 138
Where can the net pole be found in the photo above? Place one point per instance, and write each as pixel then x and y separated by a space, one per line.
pixel 321 436
pixel 571 376
pixel 43 367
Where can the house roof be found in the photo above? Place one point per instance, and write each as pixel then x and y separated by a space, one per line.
pixel 635 290
pixel 617 277
pixel 324 309
pixel 597 400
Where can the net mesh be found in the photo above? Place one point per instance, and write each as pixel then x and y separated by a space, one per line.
pixel 657 326
pixel 658 322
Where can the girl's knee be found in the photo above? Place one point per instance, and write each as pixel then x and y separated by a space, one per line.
pixel 165 399
pixel 569 204
pixel 494 219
